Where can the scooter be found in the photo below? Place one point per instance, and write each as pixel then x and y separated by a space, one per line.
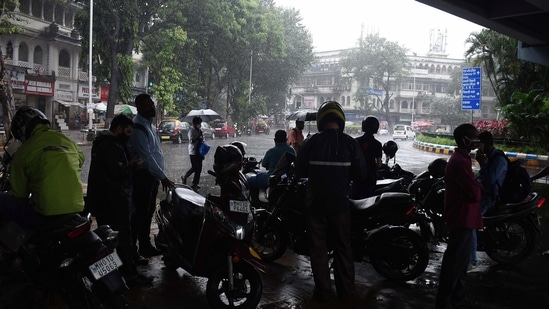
pixel 378 232
pixel 510 229
pixel 209 237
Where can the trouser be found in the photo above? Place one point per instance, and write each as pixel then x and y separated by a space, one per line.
pixel 121 222
pixel 145 189
pixel 337 226
pixel 451 286
pixel 196 168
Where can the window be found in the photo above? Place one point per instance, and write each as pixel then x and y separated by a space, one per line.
pixel 37 8
pixel 9 50
pixel 348 100
pixel 38 55
pixel 64 59
pixel 59 14
pixel 392 104
pixel 23 52
pixel 24 6
pixel 404 105
pixel 48 11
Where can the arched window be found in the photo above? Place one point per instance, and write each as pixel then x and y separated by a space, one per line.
pixel 342 100
pixel 64 59
pixel 9 50
pixel 23 52
pixel 348 100
pixel 36 8
pixel 38 55
pixel 392 104
pixel 24 6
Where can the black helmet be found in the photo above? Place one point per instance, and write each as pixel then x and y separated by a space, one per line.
pixel 227 160
pixel 327 112
pixel 24 121
pixel 370 124
pixel 240 146
pixel 437 168
pixel 390 148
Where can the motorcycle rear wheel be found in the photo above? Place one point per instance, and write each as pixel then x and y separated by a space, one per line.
pixel 510 242
pixel 274 240
pixel 246 293
pixel 398 253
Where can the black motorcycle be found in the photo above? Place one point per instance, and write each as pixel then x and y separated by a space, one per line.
pixel 64 257
pixel 510 229
pixel 378 232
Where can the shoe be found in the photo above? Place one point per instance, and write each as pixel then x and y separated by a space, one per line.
pixel 471 267
pixel 195 187
pixel 184 179
pixel 139 280
pixel 149 251
pixel 140 260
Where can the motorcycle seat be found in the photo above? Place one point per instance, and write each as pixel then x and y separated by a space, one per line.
pixel 513 208
pixel 384 200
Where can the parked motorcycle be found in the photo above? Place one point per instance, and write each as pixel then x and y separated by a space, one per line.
pixel 395 171
pixel 210 236
pixel 64 257
pixel 378 235
pixel 510 229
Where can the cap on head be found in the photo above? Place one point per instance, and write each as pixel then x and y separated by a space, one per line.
pixel 280 136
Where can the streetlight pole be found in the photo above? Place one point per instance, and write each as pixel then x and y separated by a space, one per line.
pixel 90 101
pixel 251 66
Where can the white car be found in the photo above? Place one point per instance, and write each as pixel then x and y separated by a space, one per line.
pixel 383 132
pixel 404 132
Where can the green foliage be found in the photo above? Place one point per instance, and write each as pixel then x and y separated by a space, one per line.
pixel 448 109
pixel 528 116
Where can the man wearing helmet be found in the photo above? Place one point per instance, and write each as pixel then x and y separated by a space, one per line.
pixel 330 159
pixel 371 149
pixel 295 136
pixel 45 172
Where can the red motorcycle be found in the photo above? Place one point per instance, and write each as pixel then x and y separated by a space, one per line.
pixel 210 236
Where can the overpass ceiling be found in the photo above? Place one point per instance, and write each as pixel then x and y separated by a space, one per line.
pixel 524 20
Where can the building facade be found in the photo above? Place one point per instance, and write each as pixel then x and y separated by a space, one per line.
pixel 44 65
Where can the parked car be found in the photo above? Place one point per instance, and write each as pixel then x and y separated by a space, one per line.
pixel 262 127
pixel 224 129
pixel 404 132
pixel 207 131
pixel 383 132
pixel 173 130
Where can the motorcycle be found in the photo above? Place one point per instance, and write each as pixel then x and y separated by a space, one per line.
pixel 387 172
pixel 510 229
pixel 209 237
pixel 378 234
pixel 63 257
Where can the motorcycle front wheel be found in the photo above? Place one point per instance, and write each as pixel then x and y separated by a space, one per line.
pixel 509 242
pixel 245 293
pixel 398 253
pixel 270 241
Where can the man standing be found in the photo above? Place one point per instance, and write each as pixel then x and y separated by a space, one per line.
pixel 295 136
pixel 195 139
pixel 109 195
pixel 148 162
pixel 463 217
pixel 330 159
pixel 372 151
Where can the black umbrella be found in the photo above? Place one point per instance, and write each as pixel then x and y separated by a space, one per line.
pixel 207 115
pixel 303 114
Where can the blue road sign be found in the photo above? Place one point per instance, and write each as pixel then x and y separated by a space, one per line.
pixel 471 88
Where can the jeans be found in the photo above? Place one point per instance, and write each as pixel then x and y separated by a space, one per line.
pixel 486 202
pixel 196 168
pixel 259 181
pixel 145 189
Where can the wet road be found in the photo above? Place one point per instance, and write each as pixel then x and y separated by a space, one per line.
pixel 288 281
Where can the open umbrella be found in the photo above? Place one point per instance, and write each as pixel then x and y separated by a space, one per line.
pixel 303 114
pixel 206 115
pixel 101 107
pixel 125 109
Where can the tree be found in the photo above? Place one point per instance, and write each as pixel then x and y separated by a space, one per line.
pixel 379 64
pixel 119 27
pixel 8 25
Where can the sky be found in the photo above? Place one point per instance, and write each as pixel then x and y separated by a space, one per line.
pixel 338 24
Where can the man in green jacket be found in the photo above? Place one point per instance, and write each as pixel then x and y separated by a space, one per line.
pixel 45 172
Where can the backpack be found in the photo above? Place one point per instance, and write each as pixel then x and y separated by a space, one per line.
pixel 516 186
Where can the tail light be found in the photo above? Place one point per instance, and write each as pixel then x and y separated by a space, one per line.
pixel 411 210
pixel 79 230
pixel 540 202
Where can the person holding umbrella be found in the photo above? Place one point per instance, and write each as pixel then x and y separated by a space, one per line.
pixel 195 139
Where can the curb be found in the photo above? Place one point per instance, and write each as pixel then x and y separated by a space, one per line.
pixel 533 160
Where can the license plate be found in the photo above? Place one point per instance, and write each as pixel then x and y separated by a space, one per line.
pixel 105 265
pixel 239 206
pixel 165 137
